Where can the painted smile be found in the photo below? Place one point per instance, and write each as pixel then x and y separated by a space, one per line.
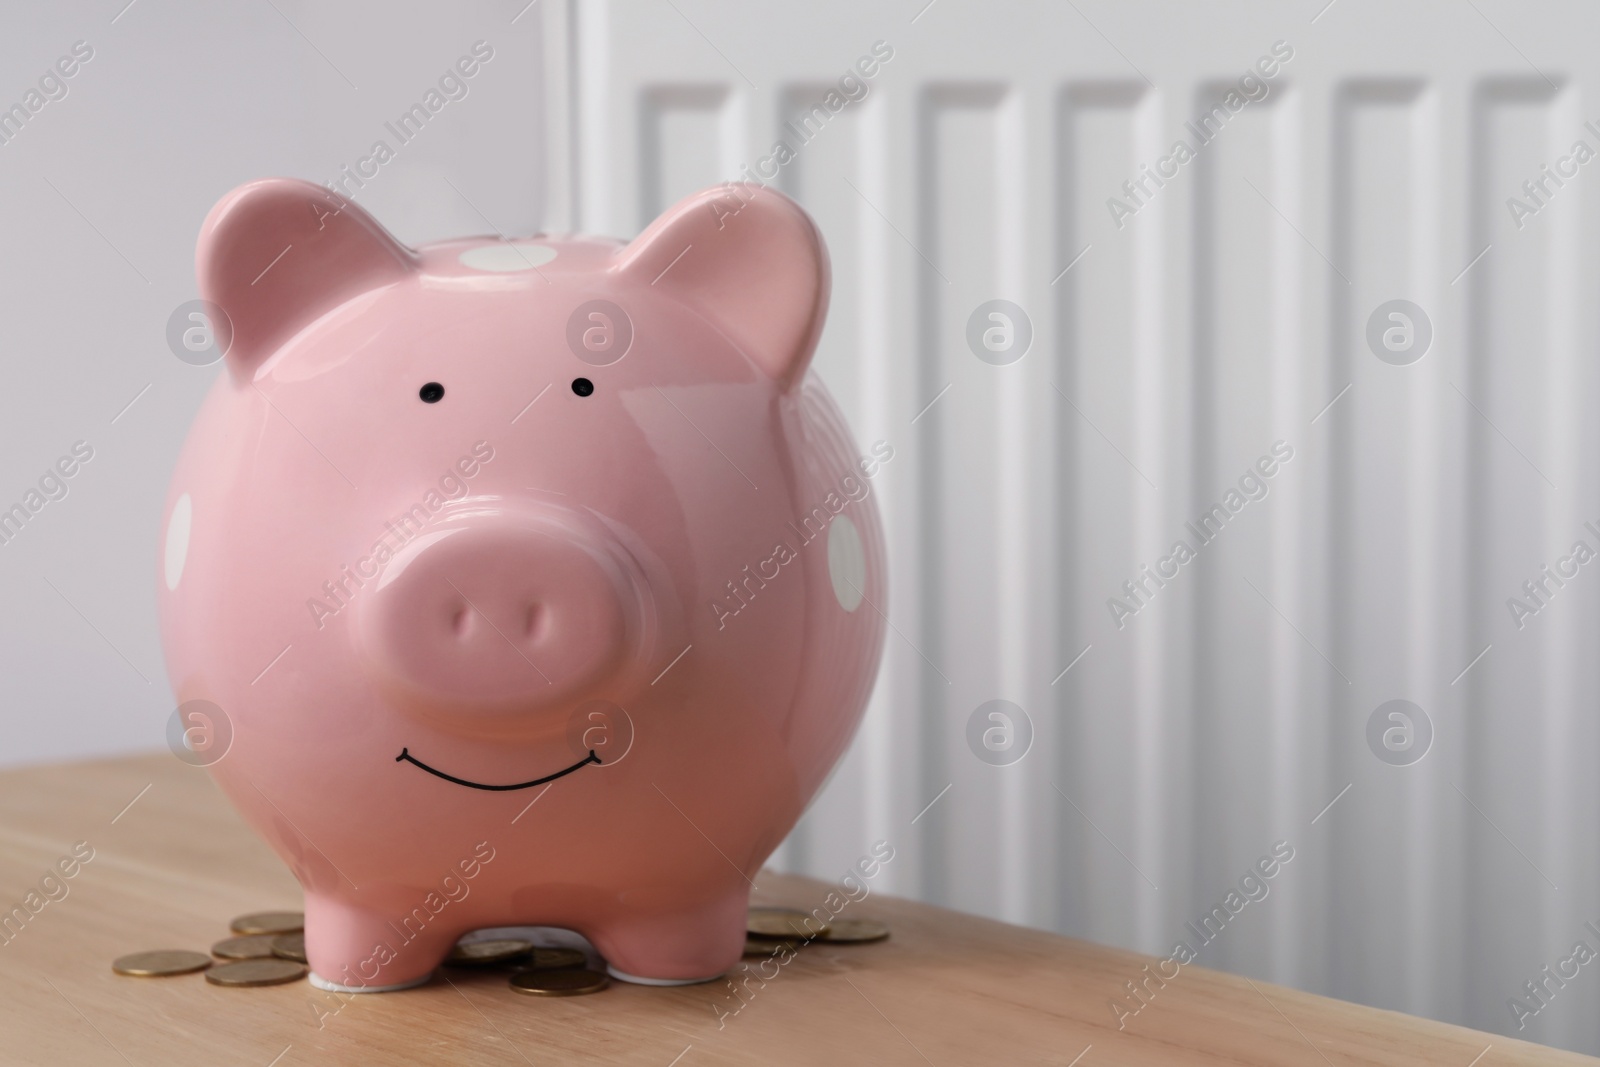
pixel 406 755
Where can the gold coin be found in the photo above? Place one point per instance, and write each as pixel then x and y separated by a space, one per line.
pixel 784 925
pixel 558 983
pixel 843 930
pixel 290 947
pixel 161 963
pixel 269 922
pixel 256 972
pixel 766 946
pixel 488 952
pixel 253 947
pixel 557 959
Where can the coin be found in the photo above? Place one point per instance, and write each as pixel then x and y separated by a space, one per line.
pixel 557 959
pixel 784 925
pixel 256 972
pixel 269 922
pixel 558 983
pixel 252 947
pixel 290 947
pixel 161 963
pixel 766 946
pixel 844 930
pixel 486 953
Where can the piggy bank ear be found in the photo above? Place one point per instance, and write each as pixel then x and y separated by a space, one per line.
pixel 749 259
pixel 274 254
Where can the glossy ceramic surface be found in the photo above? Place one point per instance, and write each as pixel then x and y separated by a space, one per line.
pixel 530 653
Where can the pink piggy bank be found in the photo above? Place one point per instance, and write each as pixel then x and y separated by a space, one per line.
pixel 536 581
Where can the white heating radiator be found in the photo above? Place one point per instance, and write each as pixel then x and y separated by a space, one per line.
pixel 1226 302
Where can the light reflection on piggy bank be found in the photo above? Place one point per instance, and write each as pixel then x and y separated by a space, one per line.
pixel 539 582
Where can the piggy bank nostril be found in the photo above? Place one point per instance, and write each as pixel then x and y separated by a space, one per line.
pixel 461 623
pixel 532 620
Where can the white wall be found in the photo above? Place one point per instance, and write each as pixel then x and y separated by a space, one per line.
pixel 1223 316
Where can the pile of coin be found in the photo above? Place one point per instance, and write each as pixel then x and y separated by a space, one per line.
pixel 537 971
pixel 268 948
pixel 772 930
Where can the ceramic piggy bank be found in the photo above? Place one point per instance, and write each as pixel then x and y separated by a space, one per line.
pixel 535 581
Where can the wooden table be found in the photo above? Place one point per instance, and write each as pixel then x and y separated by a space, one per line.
pixel 172 864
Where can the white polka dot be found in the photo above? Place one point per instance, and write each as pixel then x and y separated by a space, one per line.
pixel 178 539
pixel 507 257
pixel 847 562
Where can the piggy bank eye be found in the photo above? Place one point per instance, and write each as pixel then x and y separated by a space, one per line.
pixel 582 386
pixel 431 393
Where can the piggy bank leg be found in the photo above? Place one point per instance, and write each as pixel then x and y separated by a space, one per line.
pixel 675 948
pixel 353 950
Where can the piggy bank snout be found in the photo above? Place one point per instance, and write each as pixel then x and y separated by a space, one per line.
pixel 505 613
